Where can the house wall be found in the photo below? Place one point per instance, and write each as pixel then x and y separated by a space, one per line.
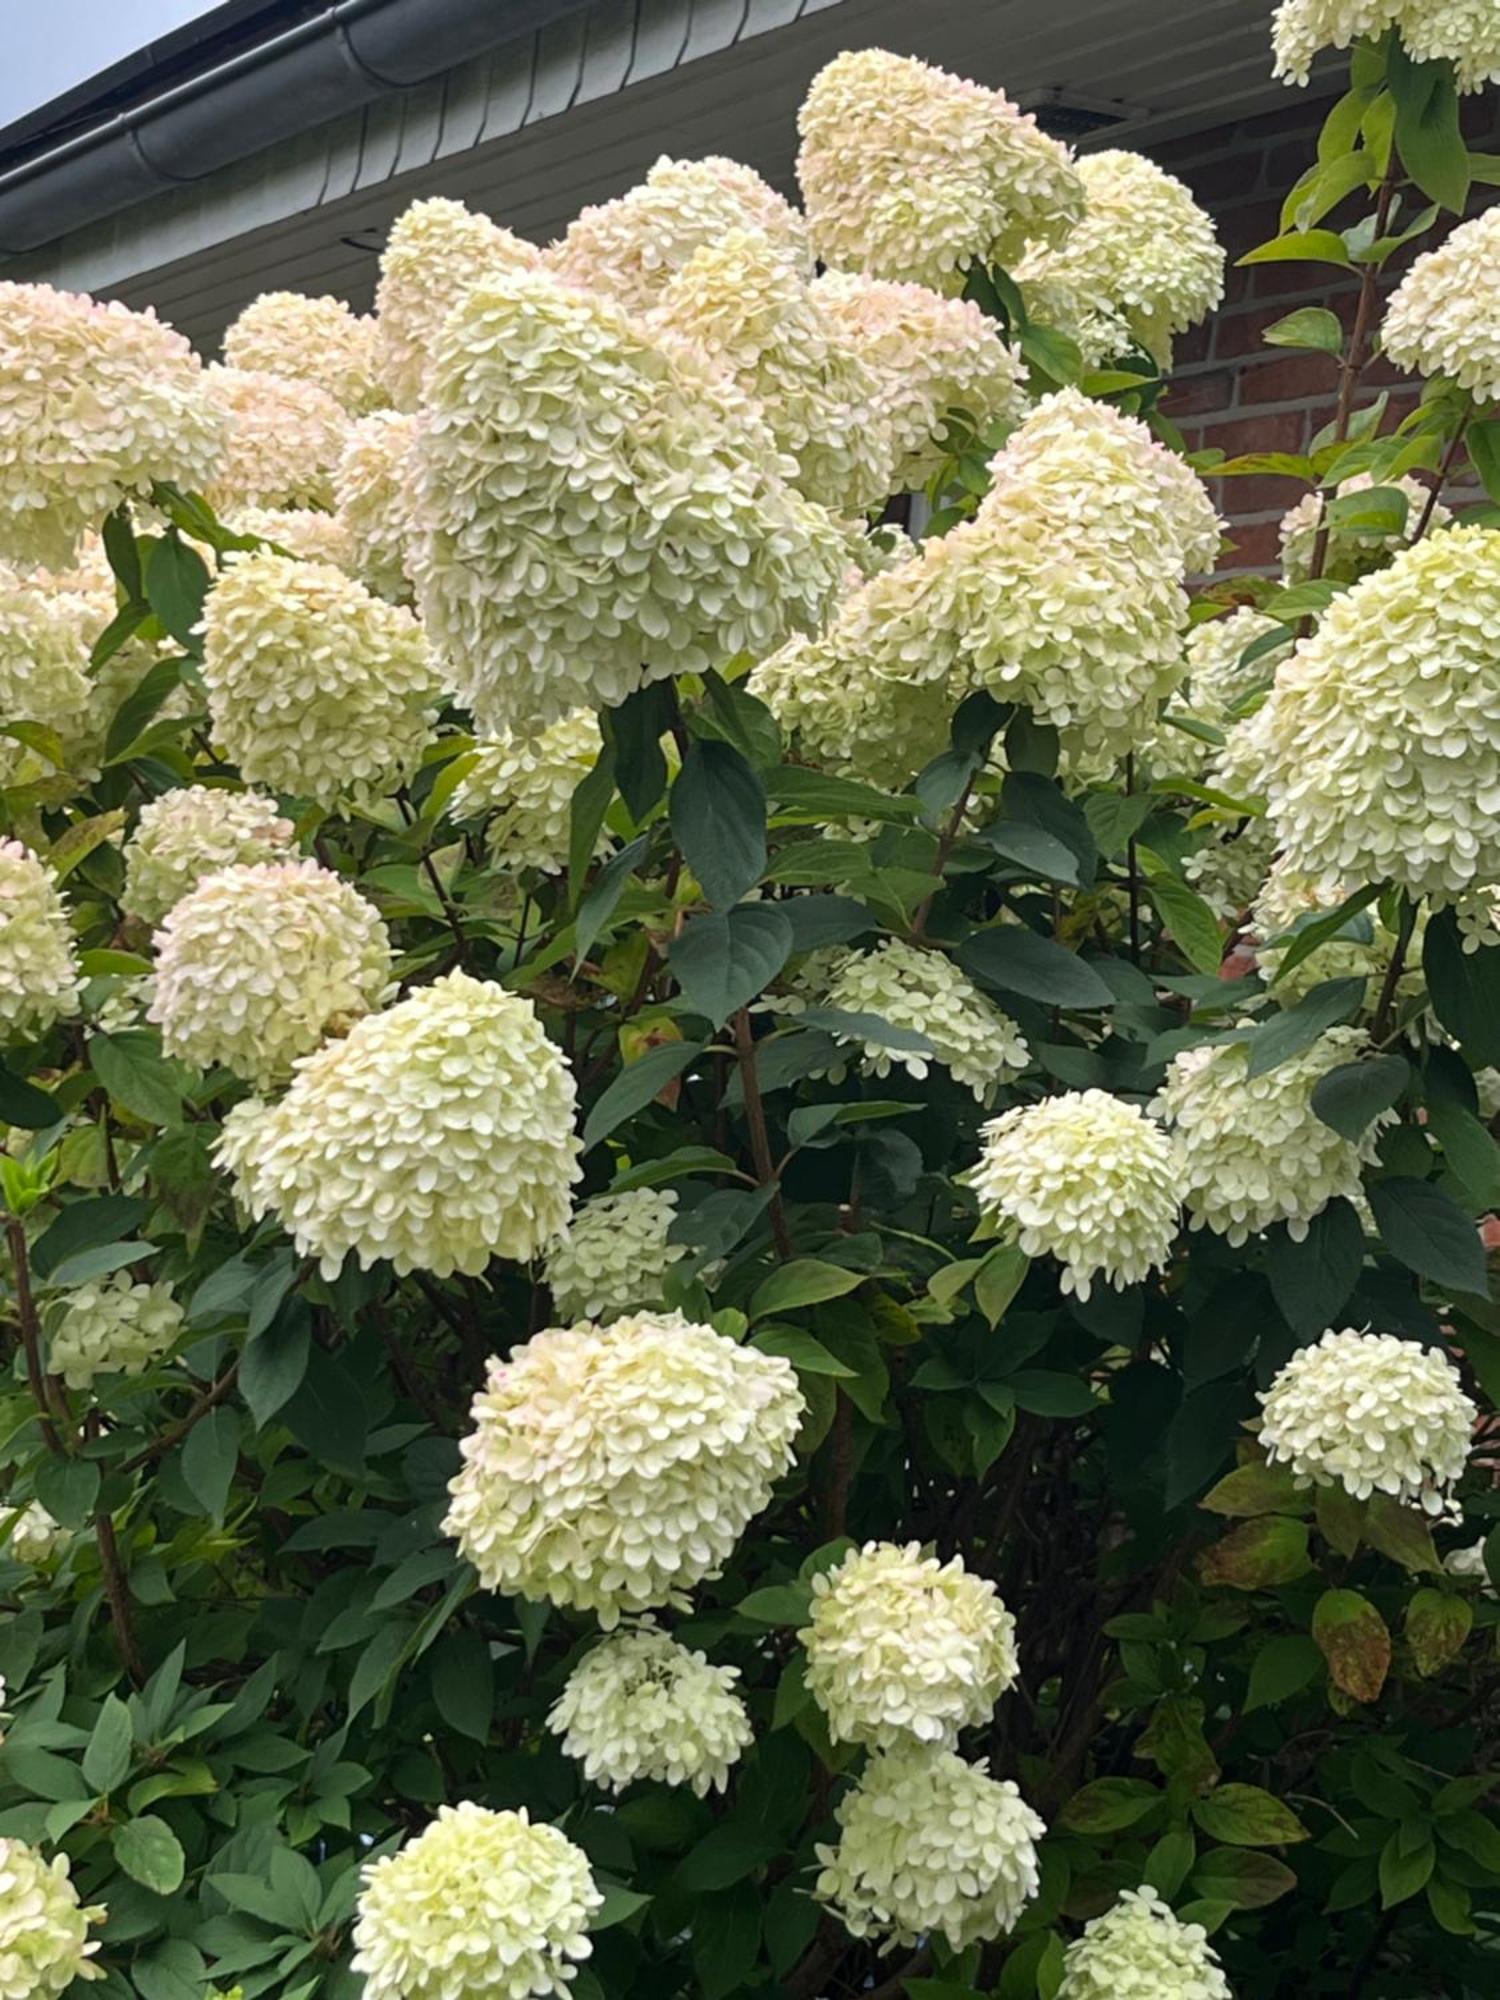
pixel 1231 390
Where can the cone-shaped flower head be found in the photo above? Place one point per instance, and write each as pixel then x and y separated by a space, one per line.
pixel 641 1706
pixel 38 965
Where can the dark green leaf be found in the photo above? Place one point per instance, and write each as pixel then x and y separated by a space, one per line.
pixel 1428 1232
pixel 1349 1097
pixel 820 921
pixel 1288 1034
pixel 1468 1148
pixel 590 803
pixel 1483 441
pixel 176 585
pixel 209 1457
pixel 138 1076
pixel 1309 326
pixel 1312 1279
pixel 1465 988
pixel 634 730
pixel 124 556
pixel 84 1224
pixel 1247 1816
pixel 604 892
pixel 635 1087
pixel 723 960
pixel 1016 960
pixel 274 1363
pixel 802 794
pixel 463 1683
pixel 22 1104
pixel 138 707
pixel 1035 853
pixel 1281 1668
pixel 806 1281
pixel 1194 928
pixel 1107 1805
pixel 718 814
pixel 69 1489
pixel 108 1754
pixel 1428 136
pixel 151 1854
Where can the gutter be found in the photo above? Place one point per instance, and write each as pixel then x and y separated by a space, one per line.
pixel 346 56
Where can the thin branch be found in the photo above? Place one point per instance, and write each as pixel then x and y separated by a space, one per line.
pixel 117 1594
pixel 1445 470
pixel 429 868
pixel 947 840
pixel 46 1390
pixel 210 1399
pixel 1355 359
pixel 1408 923
pixel 760 1141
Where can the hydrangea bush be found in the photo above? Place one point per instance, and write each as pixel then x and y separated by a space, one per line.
pixel 745 1132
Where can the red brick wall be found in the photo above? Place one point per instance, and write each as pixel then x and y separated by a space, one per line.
pixel 1230 390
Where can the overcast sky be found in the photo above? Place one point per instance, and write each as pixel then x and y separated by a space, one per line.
pixel 52 44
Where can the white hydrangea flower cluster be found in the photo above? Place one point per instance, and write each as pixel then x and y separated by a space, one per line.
pixel 614 1256
pixel 372 489
pixel 1372 1413
pixel 111 1326
pixel 36 945
pixel 1145 262
pixel 45 635
pixel 437 250
pixel 929 1843
pixel 929 355
pixel 1350 553
pixel 630 248
pixel 639 1705
pixel 743 304
pixel 309 339
pixel 1138 1950
pixel 615 1467
pixel 282 439
pixel 259 963
pixel 480 1903
pixel 902 1647
pixel 304 532
pixel 843 716
pixel 1064 592
pixel 911 173
pixel 1251 1151
pixel 315 687
pixel 437 1134
pixel 634 519
pixel 1083 1177
pixel 1382 732
pixel 923 991
pixel 44 1929
pixel 96 402
pixel 524 786
pixel 1463 32
pixel 30 1535
pixel 192 832
pixel 1438 321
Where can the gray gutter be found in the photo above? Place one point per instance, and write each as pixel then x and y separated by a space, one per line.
pixel 348 55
